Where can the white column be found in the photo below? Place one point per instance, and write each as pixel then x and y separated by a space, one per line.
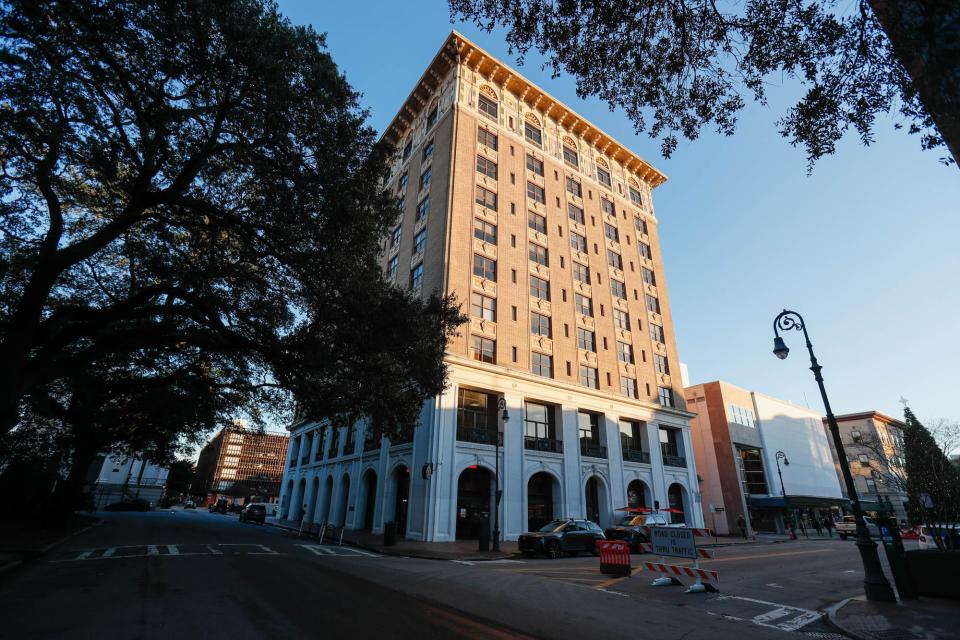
pixel 656 462
pixel 696 502
pixel 573 505
pixel 315 444
pixel 511 470
pixel 618 489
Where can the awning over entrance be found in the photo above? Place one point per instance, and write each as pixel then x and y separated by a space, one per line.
pixel 797 502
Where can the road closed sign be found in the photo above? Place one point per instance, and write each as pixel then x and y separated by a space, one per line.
pixel 676 542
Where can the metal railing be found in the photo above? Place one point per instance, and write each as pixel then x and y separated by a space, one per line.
pixel 305 459
pixel 592 450
pixel 674 461
pixel 480 436
pixel 635 455
pixel 543 444
pixel 349 447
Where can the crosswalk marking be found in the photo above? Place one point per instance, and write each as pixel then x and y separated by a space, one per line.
pixel 84 555
pixel 172 550
pixel 152 550
pixel 109 552
pixel 338 552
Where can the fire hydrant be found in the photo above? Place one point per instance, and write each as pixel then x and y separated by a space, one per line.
pixel 793 533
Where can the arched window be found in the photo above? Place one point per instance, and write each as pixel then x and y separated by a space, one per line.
pixel 487 102
pixel 570 155
pixel 532 130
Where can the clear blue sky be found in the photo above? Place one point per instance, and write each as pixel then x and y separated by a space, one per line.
pixel 866 248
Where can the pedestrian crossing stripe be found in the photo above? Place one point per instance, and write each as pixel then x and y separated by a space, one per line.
pixel 340 552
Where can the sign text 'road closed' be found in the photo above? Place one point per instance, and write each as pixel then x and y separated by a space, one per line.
pixel 676 542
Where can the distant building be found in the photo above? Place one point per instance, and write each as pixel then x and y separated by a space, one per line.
pixel 114 478
pixel 736 437
pixel 874 447
pixel 241 465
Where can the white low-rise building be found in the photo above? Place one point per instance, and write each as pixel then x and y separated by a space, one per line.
pixel 116 478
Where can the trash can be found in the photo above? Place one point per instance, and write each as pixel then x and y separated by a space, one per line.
pixel 483 535
pixel 389 534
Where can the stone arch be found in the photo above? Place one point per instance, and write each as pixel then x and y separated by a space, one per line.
pixel 396 497
pixel 639 494
pixel 602 163
pixel 488 91
pixel 475 500
pixel 633 183
pixel 544 498
pixel 596 500
pixel 678 497
pixel 297 507
pixel 533 119
pixel 570 142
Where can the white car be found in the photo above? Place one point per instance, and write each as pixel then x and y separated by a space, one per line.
pixel 949 533
pixel 848 527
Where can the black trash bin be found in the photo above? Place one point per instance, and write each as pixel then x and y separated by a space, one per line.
pixel 389 534
pixel 483 536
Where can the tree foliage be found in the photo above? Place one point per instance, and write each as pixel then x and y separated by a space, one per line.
pixel 190 209
pixel 933 484
pixel 676 68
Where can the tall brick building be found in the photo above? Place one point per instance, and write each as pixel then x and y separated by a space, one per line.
pixel 241 465
pixel 543 226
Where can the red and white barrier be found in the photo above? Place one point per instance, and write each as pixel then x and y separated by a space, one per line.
pixel 702 553
pixel 674 570
pixel 614 557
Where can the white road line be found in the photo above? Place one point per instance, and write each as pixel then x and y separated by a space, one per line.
pixel 172 550
pixel 84 555
pixel 801 617
pixel 109 551
pixel 366 553
pixel 152 550
pixel 267 551
pixel 800 621
pixel 215 552
pixel 316 549
pixel 770 616
pixel 466 562
pixel 774 585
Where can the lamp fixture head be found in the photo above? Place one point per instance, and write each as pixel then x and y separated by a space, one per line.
pixel 780 348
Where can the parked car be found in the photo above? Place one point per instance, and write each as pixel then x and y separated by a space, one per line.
pixel 130 504
pixel 220 506
pixel 253 513
pixel 561 536
pixel 632 528
pixel 848 527
pixel 235 507
pixel 950 534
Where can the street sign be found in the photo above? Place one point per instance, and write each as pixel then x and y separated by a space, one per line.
pixel 676 542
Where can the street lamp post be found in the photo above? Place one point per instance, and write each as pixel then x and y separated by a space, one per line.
pixel 502 408
pixel 783 490
pixel 876 586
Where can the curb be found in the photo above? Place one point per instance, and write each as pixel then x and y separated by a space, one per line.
pixel 834 622
pixel 46 549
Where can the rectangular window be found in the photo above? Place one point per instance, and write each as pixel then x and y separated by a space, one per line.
pixel 570 157
pixel 588 424
pixel 483 349
pixel 419 241
pixel 586 339
pixel 538 254
pixel 628 387
pixel 618 289
pixel 535 193
pixel 484 267
pixel 532 134
pixel 536 222
pixel 427 150
pixel 432 116
pixel 487 107
pixel 402 182
pixel 538 421
pixel 392 267
pixel 656 333
pixel 487 167
pixel 610 232
pixel 578 242
pixel 631 439
pixel 588 378
pixel 539 288
pixel 648 276
pixel 486 198
pixel 416 276
pixel 541 364
pixel 487 139
pixel 603 176
pixel 483 307
pixel 644 249
pixel 407 149
pixel 614 259
pixel 653 304
pixel 621 319
pixel 607 207
pixel 575 213
pixel 584 305
pixel 624 352
pixel 665 396
pixel 574 187
pixel 476 411
pixel 581 273
pixel 751 471
pixel 395 237
pixel 535 165
pixel 423 208
pixel 484 231
pixel 540 325
pixel 641 225
pixel 635 197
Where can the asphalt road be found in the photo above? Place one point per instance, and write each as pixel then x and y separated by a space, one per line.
pixel 191 574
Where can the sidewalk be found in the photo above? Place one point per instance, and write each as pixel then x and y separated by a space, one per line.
pixel 923 619
pixel 466 550
pixel 22 539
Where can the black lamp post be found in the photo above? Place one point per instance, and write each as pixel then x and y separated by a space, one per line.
pixel 502 407
pixel 783 490
pixel 875 583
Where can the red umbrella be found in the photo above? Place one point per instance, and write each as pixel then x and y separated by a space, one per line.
pixel 635 509
pixel 671 510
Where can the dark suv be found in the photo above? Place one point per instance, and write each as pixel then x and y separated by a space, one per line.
pixel 253 513
pixel 561 536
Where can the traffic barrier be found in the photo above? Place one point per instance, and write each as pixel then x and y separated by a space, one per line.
pixel 674 570
pixel 702 553
pixel 697 533
pixel 614 557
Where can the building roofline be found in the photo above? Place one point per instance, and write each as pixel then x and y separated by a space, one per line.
pixel 458 48
pixel 882 417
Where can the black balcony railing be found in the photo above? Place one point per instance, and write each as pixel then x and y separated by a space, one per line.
pixel 473 434
pixel 543 444
pixel 674 461
pixel 304 459
pixel 371 445
pixel 592 450
pixel 633 455
pixel 349 447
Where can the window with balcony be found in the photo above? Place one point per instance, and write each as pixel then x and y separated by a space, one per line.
pixel 484 267
pixel 483 307
pixel 416 276
pixel 483 349
pixel 483 230
pixel 536 193
pixel 487 107
pixel 618 289
pixel 581 272
pixel 575 213
pixel 588 377
pixel 584 305
pixel 486 198
pixel 621 320
pixel 539 288
pixel 539 429
pixel 574 188
pixel 588 430
pixel 534 165
pixel 539 325
pixel 487 167
pixel 631 441
pixel 586 339
pixel 536 222
pixel 541 364
pixel 539 255
pixel 610 232
pixel 477 419
pixel 578 242
pixel 487 139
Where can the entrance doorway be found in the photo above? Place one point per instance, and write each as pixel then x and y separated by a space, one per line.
pixel 344 500
pixel 675 498
pixel 636 494
pixel 369 498
pixel 539 500
pixel 402 500
pixel 474 500
pixel 593 499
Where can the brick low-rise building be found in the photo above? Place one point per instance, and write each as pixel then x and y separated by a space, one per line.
pixel 241 465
